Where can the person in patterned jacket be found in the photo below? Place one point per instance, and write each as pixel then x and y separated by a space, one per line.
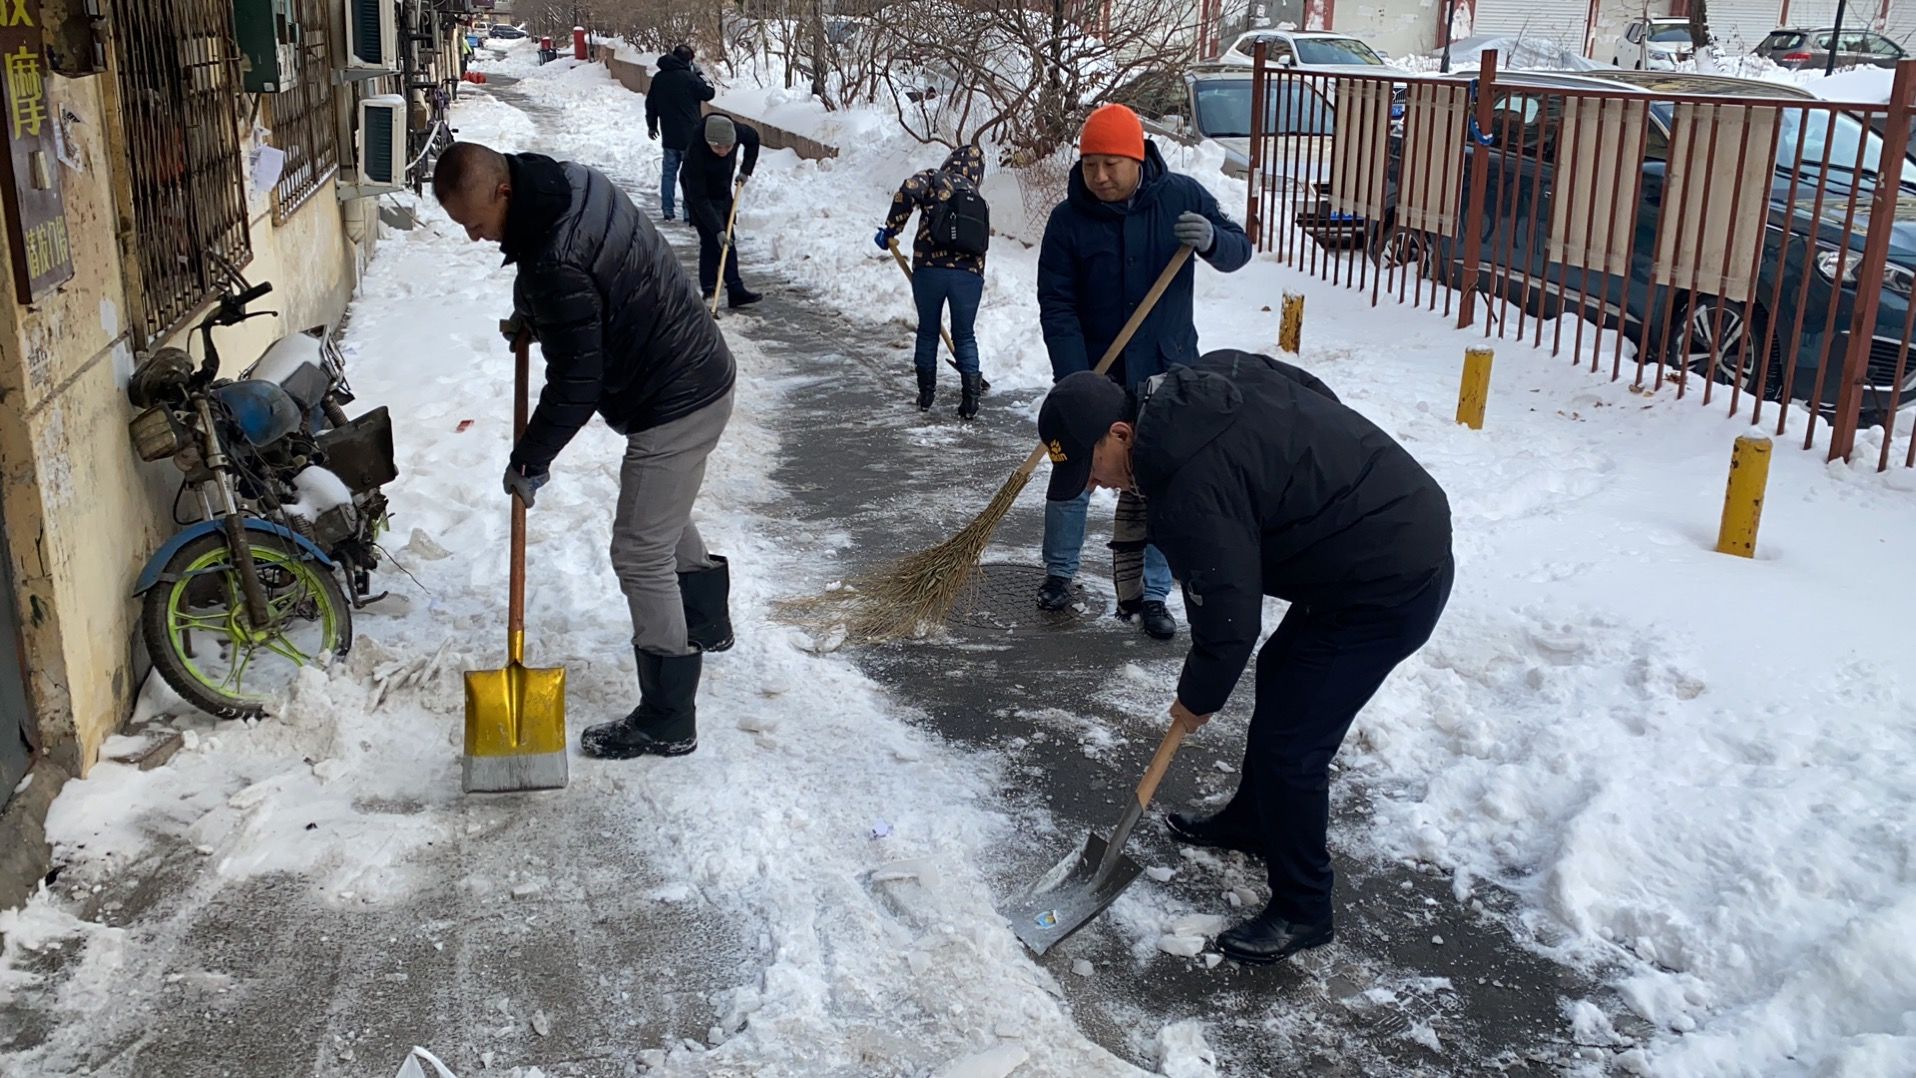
pixel 941 276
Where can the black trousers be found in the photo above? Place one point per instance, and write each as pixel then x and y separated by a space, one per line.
pixel 1315 673
pixel 709 218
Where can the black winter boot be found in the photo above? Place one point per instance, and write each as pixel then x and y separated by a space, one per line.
pixel 1158 622
pixel 1268 938
pixel 705 592
pixel 1054 593
pixel 741 296
pixel 666 721
pixel 968 400
pixel 1218 831
pixel 927 388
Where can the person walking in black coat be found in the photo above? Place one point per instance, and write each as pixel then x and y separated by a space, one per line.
pixel 942 275
pixel 624 335
pixel 1125 216
pixel 709 190
pixel 1257 482
pixel 672 116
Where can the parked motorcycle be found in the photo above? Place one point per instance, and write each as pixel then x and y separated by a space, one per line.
pixel 289 512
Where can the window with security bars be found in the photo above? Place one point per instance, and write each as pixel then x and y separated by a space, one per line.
pixel 179 104
pixel 304 124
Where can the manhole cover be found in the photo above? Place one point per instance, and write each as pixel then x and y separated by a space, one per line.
pixel 1004 598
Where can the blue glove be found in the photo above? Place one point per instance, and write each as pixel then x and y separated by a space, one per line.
pixel 883 239
pixel 1194 231
pixel 523 483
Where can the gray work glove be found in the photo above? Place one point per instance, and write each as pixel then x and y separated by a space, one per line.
pixel 1194 231
pixel 523 483
pixel 510 328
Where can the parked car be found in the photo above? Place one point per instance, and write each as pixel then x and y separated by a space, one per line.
pixel 1812 48
pixel 506 32
pixel 1657 44
pixel 1801 249
pixel 1295 110
pixel 1308 50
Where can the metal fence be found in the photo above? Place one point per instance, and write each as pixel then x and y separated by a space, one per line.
pixel 305 121
pixel 178 96
pixel 1742 242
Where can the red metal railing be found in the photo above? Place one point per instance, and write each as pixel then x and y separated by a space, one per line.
pixel 1709 233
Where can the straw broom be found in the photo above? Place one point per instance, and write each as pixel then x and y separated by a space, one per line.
pixel 897 600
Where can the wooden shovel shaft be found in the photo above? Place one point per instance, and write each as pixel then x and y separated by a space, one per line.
pixel 516 603
pixel 725 250
pixel 1161 762
pixel 1112 353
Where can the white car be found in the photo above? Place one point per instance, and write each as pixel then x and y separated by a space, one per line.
pixel 1309 50
pixel 1654 45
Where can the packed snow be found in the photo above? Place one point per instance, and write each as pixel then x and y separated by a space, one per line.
pixel 1692 772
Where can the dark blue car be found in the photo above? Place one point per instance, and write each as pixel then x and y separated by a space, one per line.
pixel 1805 283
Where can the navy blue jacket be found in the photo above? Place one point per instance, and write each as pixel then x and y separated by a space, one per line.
pixel 1100 258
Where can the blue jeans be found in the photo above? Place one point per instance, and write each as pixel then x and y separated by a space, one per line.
pixel 1064 541
pixel 669 179
pixel 932 288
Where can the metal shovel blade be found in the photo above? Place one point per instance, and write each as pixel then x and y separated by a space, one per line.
pixel 1066 898
pixel 515 729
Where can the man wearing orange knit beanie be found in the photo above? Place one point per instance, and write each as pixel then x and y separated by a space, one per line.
pixel 1123 219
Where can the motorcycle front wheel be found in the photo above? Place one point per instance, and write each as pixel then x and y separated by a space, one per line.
pixel 202 639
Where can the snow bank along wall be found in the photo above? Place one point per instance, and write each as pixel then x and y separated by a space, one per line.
pixel 636 78
pixel 81 512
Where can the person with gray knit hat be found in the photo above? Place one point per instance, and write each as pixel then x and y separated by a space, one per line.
pixel 706 181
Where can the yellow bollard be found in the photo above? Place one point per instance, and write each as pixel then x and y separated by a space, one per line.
pixel 1290 327
pixel 1474 394
pixel 1743 503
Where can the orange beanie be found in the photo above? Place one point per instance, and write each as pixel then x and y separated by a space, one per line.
pixel 1114 130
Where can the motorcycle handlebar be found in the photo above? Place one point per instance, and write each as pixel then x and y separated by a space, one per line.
pixel 254 292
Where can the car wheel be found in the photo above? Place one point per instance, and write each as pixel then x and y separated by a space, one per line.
pixel 1402 250
pixel 1724 342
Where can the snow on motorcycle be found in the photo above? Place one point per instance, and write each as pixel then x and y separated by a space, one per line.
pixel 285 494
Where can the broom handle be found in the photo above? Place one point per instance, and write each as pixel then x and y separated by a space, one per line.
pixel 516 603
pixel 726 250
pixel 1130 330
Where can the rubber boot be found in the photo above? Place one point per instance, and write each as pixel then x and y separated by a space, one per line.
pixel 666 721
pixel 927 388
pixel 706 593
pixel 968 400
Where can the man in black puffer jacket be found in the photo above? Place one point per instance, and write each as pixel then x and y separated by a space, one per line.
pixel 672 115
pixel 1258 482
pixel 624 335
pixel 709 191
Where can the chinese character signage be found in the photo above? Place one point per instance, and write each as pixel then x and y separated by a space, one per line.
pixel 30 170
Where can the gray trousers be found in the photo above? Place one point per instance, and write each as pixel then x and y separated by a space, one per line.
pixel 653 537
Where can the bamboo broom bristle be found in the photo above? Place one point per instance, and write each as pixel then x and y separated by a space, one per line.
pixel 901 599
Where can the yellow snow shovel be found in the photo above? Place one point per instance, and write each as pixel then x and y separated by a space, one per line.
pixel 726 250
pixel 515 717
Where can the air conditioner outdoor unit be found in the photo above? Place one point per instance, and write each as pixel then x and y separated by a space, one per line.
pixel 372 36
pixel 382 143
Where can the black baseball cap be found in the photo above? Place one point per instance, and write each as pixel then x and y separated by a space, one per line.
pixel 1078 412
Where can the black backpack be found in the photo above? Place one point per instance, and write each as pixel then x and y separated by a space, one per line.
pixel 962 223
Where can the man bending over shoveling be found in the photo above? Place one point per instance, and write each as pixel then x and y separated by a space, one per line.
pixel 1257 482
pixel 624 335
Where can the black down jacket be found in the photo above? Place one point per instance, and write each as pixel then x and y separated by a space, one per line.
pixel 619 321
pixel 924 191
pixel 672 102
pixel 705 178
pixel 1258 482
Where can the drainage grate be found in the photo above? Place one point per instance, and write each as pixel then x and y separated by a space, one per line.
pixel 1004 598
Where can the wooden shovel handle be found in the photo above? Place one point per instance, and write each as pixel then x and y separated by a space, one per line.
pixel 1161 761
pixel 1111 354
pixel 516 603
